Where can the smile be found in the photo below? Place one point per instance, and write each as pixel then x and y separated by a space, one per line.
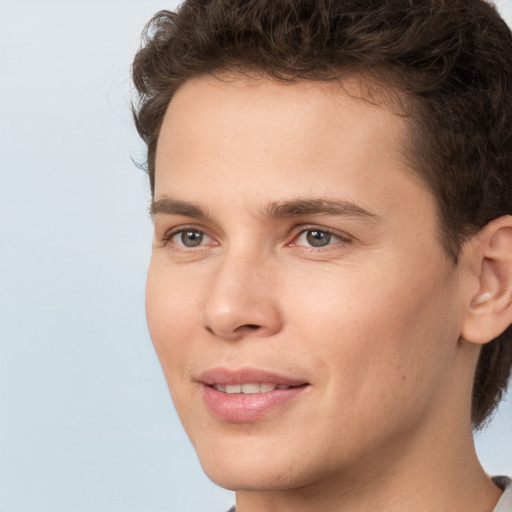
pixel 248 389
pixel 248 394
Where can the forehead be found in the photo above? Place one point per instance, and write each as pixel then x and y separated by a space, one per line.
pixel 235 117
pixel 237 99
pixel 256 134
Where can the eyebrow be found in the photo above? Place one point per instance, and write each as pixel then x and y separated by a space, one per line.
pixel 275 210
pixel 301 207
pixel 170 206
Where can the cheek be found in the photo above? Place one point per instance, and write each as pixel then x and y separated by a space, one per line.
pixel 381 339
pixel 170 313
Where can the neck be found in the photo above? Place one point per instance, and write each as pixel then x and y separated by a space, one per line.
pixel 429 469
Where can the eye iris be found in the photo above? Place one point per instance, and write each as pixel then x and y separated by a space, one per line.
pixel 318 238
pixel 191 238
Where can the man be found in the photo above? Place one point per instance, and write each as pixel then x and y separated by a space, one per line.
pixel 330 291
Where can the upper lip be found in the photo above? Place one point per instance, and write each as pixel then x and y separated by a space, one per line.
pixel 225 376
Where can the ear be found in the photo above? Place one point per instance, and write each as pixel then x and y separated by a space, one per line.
pixel 489 311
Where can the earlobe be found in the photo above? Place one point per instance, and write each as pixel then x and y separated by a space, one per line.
pixel 490 309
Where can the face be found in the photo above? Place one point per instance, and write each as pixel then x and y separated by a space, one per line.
pixel 303 310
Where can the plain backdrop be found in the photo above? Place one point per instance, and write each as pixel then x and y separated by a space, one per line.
pixel 86 423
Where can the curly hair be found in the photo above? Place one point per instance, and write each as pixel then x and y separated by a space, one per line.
pixel 450 62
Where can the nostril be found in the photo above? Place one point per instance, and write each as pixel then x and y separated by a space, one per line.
pixel 236 332
pixel 252 327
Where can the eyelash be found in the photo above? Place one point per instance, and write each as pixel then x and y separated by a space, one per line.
pixel 168 237
pixel 341 238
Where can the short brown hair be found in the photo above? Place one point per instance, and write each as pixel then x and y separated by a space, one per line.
pixel 450 59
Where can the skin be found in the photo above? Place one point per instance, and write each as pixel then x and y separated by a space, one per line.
pixel 372 320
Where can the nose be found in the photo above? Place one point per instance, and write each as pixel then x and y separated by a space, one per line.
pixel 242 299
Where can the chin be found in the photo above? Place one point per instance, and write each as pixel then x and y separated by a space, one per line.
pixel 237 469
pixel 263 469
pixel 262 479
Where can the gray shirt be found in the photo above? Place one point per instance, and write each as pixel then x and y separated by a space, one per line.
pixel 505 503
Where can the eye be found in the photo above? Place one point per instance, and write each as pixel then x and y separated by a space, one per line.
pixel 188 238
pixel 316 238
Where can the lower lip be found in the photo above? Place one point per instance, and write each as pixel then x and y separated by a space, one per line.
pixel 242 408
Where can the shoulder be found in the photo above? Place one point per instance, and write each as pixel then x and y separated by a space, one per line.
pixel 505 503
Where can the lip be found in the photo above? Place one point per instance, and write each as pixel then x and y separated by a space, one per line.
pixel 241 408
pixel 225 376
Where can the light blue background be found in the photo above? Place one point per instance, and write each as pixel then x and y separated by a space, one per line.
pixel 86 424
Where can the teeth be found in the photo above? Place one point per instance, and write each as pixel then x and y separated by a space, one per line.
pixel 248 389
pixel 233 388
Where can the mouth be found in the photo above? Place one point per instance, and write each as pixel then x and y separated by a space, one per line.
pixel 250 388
pixel 248 395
